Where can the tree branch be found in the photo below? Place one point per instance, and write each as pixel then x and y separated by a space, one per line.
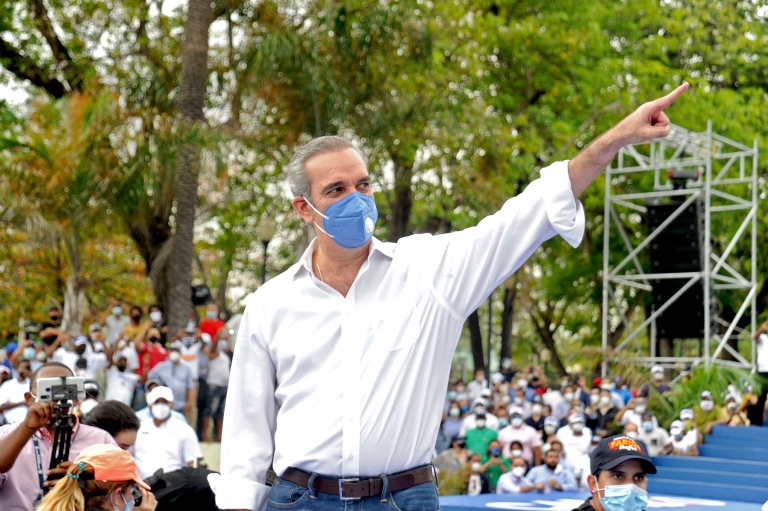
pixel 60 52
pixel 24 68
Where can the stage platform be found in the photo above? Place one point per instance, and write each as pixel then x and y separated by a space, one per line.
pixel 570 501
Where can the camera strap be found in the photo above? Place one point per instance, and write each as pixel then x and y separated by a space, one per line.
pixel 40 472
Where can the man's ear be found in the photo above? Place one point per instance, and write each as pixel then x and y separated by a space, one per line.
pixel 592 483
pixel 29 399
pixel 302 208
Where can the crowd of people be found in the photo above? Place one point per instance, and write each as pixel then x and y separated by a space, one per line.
pixel 517 432
pixel 149 392
pixel 120 355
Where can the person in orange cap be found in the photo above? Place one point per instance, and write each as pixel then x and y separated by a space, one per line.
pixel 102 477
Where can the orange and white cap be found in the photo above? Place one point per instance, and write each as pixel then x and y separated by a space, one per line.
pixel 110 463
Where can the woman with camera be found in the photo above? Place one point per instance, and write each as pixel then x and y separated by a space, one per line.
pixel 103 477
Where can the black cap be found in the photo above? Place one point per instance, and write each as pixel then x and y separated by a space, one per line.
pixel 615 450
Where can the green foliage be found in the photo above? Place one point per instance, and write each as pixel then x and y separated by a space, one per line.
pixel 686 393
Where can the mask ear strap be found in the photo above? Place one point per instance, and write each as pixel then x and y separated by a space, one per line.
pixel 322 215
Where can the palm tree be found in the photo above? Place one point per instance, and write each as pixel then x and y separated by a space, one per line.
pixel 194 79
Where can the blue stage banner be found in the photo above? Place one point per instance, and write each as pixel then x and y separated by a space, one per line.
pixel 569 501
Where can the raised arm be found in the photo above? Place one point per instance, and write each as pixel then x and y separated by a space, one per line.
pixel 646 123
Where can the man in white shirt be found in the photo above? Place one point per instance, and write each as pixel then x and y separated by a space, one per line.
pixel 575 438
pixel 365 331
pixel 121 383
pixel 632 413
pixel 115 324
pixel 683 444
pixel 655 438
pixel 514 481
pixel 477 385
pixel 218 380
pixel 164 441
pixel 12 402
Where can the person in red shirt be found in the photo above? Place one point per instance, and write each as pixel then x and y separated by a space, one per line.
pixel 211 324
pixel 150 350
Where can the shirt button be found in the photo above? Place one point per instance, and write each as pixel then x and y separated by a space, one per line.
pixel 350 457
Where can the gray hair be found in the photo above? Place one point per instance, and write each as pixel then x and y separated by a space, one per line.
pixel 297 177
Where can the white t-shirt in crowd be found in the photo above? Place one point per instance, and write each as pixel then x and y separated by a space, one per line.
pixel 510 483
pixel 96 362
pixel 13 391
pixel 170 446
pixel 115 325
pixel 68 358
pixel 656 441
pixel 218 371
pixel 631 416
pixel 574 446
pixel 762 354
pixel 120 386
pixel 189 357
pixel 684 445
pixel 131 356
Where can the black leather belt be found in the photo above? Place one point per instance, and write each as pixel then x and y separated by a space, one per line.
pixel 356 487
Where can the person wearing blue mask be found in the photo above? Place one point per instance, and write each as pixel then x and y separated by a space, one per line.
pixel 618 481
pixel 359 334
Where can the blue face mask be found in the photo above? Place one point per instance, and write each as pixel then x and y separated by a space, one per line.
pixel 451 395
pixel 625 497
pixel 647 426
pixel 503 423
pixel 349 221
pixel 29 353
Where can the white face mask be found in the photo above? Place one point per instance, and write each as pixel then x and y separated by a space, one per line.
pixel 41 356
pixel 506 364
pixel 522 383
pixel 156 316
pixel 568 396
pixel 117 311
pixel 577 427
pixel 517 422
pixel 640 408
pixel 516 453
pixel 160 411
pixel 475 467
pixel 222 345
pixel 707 405
pixel 536 409
pixel 505 399
pixel 605 400
pixel 518 471
pixel 519 400
pixel 455 412
pixel 504 389
pixel 632 435
pixel 174 356
pixel 594 399
pixel 732 406
pixel 480 423
pixel 549 429
pixel 658 376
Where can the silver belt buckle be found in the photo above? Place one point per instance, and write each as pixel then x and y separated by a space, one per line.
pixel 348 480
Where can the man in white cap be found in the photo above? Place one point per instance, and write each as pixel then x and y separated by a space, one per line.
pixel 659 379
pixel 683 444
pixel 491 421
pixel 163 440
pixel 575 437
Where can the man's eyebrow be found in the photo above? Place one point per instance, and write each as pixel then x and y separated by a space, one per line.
pixel 331 186
pixel 366 179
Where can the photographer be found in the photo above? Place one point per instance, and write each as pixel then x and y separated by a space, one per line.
pixel 25 448
pixel 109 481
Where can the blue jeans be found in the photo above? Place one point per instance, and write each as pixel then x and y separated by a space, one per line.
pixel 286 495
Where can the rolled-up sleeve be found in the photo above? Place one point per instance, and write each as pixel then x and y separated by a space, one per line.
pixel 247 444
pixel 475 261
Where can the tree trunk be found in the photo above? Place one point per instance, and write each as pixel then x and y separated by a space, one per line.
pixel 476 340
pixel 506 322
pixel 402 203
pixel 74 294
pixel 221 295
pixel 194 79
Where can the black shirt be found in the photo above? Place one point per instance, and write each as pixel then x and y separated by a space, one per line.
pixel 51 338
pixel 586 506
pixel 538 425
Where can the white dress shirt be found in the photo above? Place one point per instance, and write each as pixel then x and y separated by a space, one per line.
pixel 574 445
pixel 510 483
pixel 355 386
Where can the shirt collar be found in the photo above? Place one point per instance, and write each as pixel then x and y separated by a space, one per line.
pixel 306 258
pixel 44 434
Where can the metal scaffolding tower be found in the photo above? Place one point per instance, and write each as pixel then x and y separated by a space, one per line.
pixel 723 177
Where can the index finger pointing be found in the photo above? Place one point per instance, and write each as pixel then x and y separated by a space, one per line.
pixel 670 98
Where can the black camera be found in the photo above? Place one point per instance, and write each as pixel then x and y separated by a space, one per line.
pixel 136 493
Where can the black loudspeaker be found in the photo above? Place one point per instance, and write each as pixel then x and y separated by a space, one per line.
pixel 677 249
